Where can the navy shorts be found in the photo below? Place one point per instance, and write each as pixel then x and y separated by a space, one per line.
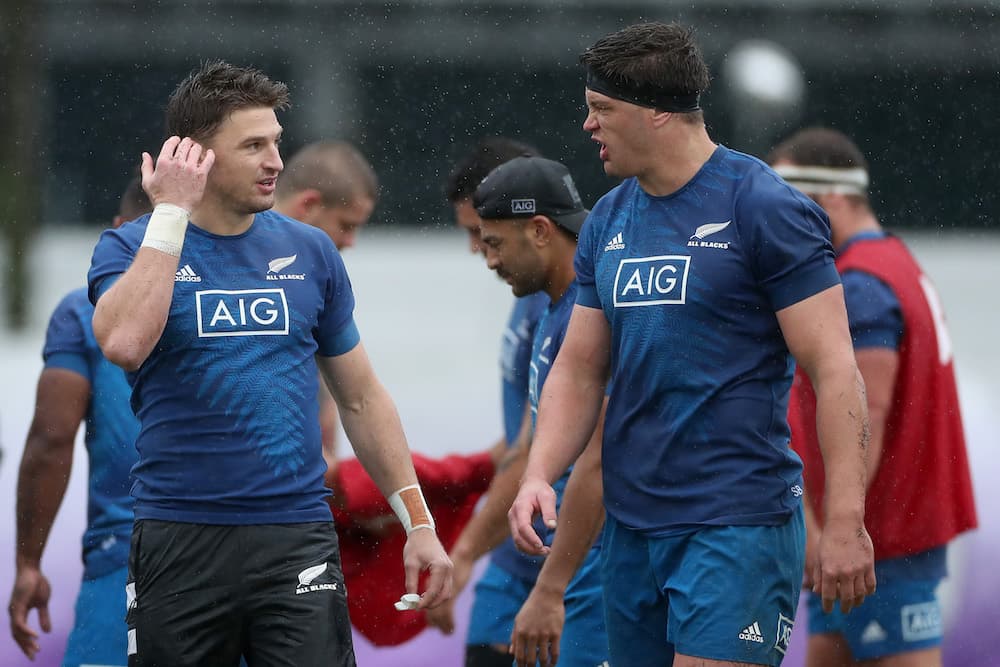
pixel 721 593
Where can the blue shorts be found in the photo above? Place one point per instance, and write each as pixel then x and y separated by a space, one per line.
pixel 902 616
pixel 99 633
pixel 499 596
pixel 584 640
pixel 722 593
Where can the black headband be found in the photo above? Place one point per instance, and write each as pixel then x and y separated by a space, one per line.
pixel 644 96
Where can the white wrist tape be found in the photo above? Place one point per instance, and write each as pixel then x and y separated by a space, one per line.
pixel 409 505
pixel 166 228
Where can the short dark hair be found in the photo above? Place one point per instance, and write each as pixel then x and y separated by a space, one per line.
pixel 664 56
pixel 484 157
pixel 134 200
pixel 211 93
pixel 819 147
pixel 336 169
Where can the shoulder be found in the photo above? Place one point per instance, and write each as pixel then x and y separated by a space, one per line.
pixel 130 233
pixel 73 302
pixel 272 223
pixel 613 200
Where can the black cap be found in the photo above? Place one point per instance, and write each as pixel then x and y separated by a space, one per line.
pixel 529 186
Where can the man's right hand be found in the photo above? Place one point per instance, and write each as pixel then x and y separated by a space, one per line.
pixel 442 617
pixel 180 174
pixel 31 591
pixel 534 497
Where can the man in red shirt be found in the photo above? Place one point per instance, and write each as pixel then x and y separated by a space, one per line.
pixel 919 493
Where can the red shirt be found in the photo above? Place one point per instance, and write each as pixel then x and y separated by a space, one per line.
pixel 372 539
pixel 921 496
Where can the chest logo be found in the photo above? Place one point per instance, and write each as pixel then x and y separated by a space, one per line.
pixel 651 281
pixel 697 239
pixel 276 265
pixel 255 312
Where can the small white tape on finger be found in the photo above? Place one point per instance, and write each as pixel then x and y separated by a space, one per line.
pixel 407 602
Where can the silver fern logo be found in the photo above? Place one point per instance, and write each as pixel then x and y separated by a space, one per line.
pixel 279 263
pixel 276 265
pixel 709 229
pixel 308 575
pixel 697 239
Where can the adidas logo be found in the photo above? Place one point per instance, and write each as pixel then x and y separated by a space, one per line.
pixel 186 274
pixel 616 243
pixel 874 633
pixel 752 634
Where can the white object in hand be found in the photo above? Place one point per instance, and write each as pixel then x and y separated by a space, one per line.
pixel 407 602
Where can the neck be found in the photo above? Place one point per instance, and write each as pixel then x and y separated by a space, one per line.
pixel 561 275
pixel 214 218
pixel 844 230
pixel 676 159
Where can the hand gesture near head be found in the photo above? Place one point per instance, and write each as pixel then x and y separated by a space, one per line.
pixel 180 173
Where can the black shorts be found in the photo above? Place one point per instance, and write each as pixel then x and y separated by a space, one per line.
pixel 202 596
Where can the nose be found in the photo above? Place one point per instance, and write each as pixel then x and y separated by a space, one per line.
pixel 273 160
pixel 492 259
pixel 590 122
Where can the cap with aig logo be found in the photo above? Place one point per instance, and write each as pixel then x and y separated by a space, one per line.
pixel 530 186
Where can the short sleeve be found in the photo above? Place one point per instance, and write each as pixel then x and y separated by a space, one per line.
pixel 66 340
pixel 112 256
pixel 583 263
pixel 336 332
pixel 789 243
pixel 873 311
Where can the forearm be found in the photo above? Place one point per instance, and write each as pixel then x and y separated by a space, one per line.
pixel 580 521
pixel 488 528
pixel 844 436
pixel 375 432
pixel 567 416
pixel 130 317
pixel 41 485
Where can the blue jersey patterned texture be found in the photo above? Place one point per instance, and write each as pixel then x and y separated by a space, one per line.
pixel 515 358
pixel 690 284
pixel 227 398
pixel 110 433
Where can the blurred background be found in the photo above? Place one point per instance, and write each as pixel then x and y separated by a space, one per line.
pixel 83 84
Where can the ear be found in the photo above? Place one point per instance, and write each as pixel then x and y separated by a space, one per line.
pixel 660 118
pixel 310 199
pixel 541 229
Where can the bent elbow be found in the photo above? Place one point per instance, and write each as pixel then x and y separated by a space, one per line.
pixel 121 352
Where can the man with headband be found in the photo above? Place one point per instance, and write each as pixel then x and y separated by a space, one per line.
pixel 917 463
pixel 701 276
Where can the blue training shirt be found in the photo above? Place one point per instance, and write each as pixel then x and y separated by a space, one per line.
pixel 109 434
pixel 873 311
pixel 227 398
pixel 548 341
pixel 695 431
pixel 515 357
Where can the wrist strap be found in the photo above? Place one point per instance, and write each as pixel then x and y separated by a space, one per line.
pixel 166 228
pixel 409 505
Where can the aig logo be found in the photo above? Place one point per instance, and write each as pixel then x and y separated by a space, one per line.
pixel 651 281
pixel 251 312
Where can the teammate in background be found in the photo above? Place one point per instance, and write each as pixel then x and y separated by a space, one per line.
pixel 77 384
pixel 919 484
pixel 329 185
pixel 531 217
pixel 700 276
pixel 509 576
pixel 220 323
